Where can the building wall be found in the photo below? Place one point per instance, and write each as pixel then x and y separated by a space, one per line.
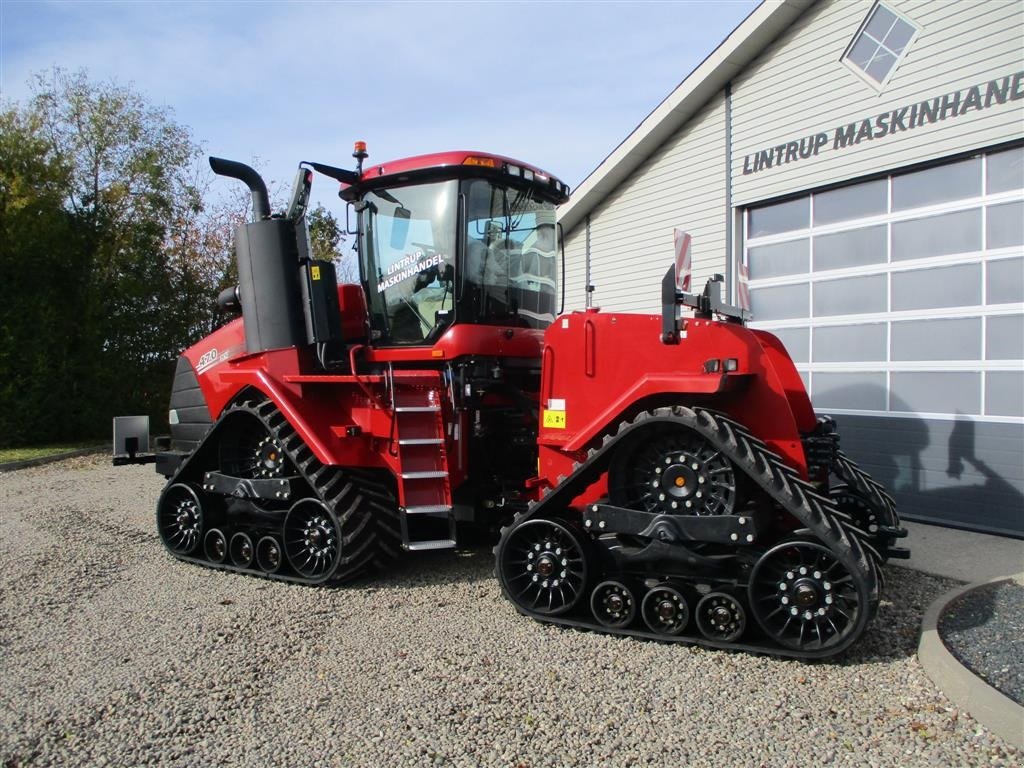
pixel 681 185
pixel 799 87
pixel 943 464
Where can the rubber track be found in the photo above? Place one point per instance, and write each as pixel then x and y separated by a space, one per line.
pixel 365 507
pixel 781 482
pixel 865 486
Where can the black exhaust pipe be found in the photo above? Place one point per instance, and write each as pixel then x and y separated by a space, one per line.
pixel 269 269
pixel 235 170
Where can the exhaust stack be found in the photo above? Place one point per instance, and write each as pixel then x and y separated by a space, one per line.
pixel 248 175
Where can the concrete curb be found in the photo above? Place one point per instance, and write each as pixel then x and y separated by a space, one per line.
pixel 996 711
pixel 11 466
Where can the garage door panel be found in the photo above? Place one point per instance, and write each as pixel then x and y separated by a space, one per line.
pixel 850 343
pixel 937 339
pixel 1004 393
pixel 850 296
pixel 940 235
pixel 1004 338
pixel 936 287
pixel 854 391
pixel 1005 281
pixel 935 392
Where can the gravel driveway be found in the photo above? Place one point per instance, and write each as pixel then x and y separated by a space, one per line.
pixel 111 652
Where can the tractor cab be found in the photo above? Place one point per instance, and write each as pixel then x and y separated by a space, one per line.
pixel 455 238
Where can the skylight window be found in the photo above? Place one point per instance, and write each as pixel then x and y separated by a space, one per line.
pixel 879 45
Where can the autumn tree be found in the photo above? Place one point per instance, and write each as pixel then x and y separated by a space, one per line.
pixel 110 259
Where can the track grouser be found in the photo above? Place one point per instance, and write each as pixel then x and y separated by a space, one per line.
pixel 659 476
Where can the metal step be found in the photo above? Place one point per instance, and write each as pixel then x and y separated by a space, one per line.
pixel 417 409
pixel 415 546
pixel 421 441
pixel 422 475
pixel 428 509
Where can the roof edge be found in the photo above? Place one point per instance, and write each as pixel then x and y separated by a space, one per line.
pixel 758 30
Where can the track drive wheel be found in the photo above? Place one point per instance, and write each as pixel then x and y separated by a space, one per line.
pixel 672 471
pixel 249 450
pixel 806 600
pixel 542 566
pixel 180 519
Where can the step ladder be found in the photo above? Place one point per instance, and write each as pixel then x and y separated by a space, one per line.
pixel 424 486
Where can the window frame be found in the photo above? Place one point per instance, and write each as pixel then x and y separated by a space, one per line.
pixel 862 30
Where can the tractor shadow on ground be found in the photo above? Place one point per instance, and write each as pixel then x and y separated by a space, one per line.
pixel 413 570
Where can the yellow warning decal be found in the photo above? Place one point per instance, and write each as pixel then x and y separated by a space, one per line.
pixel 314 272
pixel 554 419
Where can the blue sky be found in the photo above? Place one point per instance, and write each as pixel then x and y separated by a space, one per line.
pixel 558 85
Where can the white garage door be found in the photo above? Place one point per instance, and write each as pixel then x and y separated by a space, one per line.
pixel 902 301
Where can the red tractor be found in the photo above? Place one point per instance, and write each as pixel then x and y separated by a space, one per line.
pixel 654 476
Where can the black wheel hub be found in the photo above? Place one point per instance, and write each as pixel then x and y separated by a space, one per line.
pixel 180 518
pixel 613 604
pixel 312 542
pixel 674 472
pixel 269 458
pixel 665 610
pixel 543 566
pixel 721 617
pixel 803 597
pixel 273 556
pixel 249 450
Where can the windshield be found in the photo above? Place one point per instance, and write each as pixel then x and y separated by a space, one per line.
pixel 409 244
pixel 510 274
pixel 508 259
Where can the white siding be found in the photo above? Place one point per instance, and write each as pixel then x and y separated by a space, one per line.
pixel 576 268
pixel 680 185
pixel 799 86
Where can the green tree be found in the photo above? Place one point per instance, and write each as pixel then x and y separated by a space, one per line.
pixel 41 293
pixel 113 263
pixel 326 239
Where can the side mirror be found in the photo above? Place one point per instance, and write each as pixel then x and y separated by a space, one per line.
pixel 300 194
pixel 400 227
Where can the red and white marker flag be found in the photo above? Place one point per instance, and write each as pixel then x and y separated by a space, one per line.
pixel 682 247
pixel 743 286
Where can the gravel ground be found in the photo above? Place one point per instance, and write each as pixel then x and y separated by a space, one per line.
pixel 983 629
pixel 115 654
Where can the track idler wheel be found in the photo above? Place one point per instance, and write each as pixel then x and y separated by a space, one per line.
pixel 312 539
pixel 180 519
pixel 215 546
pixel 665 610
pixel 865 518
pixel 241 550
pixel 720 617
pixel 542 564
pixel 805 599
pixel 613 604
pixel 268 554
